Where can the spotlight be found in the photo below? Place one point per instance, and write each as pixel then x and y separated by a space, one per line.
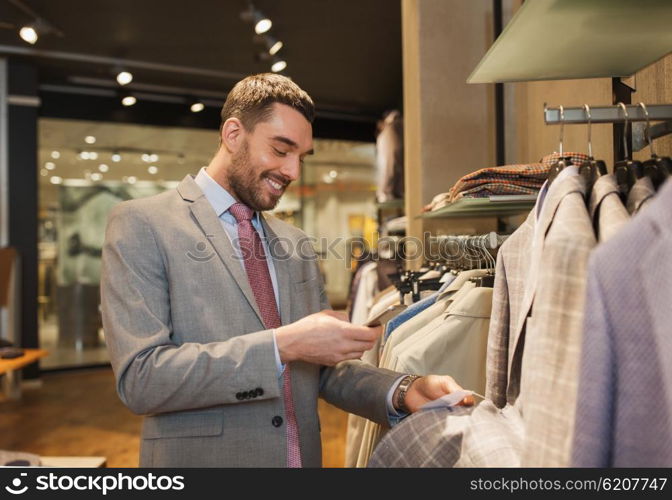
pixel 273 45
pixel 55 155
pixel 197 107
pixel 103 167
pixel 152 170
pixel 89 139
pixel 278 66
pixel 50 165
pixel 56 180
pixel 261 23
pixel 124 77
pixel 128 100
pixel 131 179
pixel 29 34
pixel 96 176
pixel 116 157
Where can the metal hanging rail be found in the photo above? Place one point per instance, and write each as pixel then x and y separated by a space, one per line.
pixel 608 114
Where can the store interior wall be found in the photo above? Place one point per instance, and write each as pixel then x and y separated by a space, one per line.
pixel 448 124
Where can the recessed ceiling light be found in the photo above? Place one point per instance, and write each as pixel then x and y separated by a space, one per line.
pixel 129 100
pixel 96 176
pixel 50 165
pixel 275 47
pixel 103 168
pixel 55 155
pixel 93 155
pixel 197 107
pixel 131 179
pixel 153 158
pixel 333 174
pixel 152 170
pixel 116 157
pixel 89 139
pixel 56 180
pixel 124 77
pixel 84 155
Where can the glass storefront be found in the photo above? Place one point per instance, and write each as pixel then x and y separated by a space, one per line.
pixel 85 168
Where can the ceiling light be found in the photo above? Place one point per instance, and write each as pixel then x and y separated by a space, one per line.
pixel 262 25
pixel 145 157
pixel 116 157
pixel 50 165
pixel 96 176
pixel 129 100
pixel 56 180
pixel 333 174
pixel 103 168
pixel 152 170
pixel 197 107
pixel 89 139
pixel 273 45
pixel 93 155
pixel 55 155
pixel 84 155
pixel 44 172
pixel 278 66
pixel 153 158
pixel 124 77
pixel 131 179
pixel 29 34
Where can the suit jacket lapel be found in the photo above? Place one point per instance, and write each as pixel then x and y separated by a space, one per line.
pixel 555 195
pixel 277 246
pixel 214 232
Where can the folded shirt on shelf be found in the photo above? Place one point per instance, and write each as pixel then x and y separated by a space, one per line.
pixel 505 180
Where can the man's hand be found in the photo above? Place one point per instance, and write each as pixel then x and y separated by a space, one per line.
pixel 324 338
pixel 429 388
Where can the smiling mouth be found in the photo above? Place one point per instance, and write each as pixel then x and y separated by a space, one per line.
pixel 276 186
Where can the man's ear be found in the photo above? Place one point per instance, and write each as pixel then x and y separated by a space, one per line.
pixel 232 134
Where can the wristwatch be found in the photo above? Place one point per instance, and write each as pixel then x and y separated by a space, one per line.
pixel 404 385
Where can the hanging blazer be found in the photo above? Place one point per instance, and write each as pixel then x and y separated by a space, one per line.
pixel 624 415
pixel 532 353
pixel 606 209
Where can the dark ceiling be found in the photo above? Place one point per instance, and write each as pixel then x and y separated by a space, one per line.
pixel 345 53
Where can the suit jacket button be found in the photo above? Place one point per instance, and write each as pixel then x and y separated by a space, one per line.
pixel 253 393
pixel 259 391
pixel 277 421
pixel 239 396
pixel 246 395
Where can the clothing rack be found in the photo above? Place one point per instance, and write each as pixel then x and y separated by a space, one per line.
pixel 614 114
pixel 491 240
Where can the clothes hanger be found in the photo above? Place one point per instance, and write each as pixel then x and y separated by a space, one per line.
pixel 562 162
pixel 591 169
pixel 657 168
pixel 627 171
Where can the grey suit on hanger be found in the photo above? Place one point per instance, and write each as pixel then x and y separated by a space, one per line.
pixel 188 346
pixel 606 209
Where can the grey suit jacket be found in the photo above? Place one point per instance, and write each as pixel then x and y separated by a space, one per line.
pixel 624 416
pixel 188 346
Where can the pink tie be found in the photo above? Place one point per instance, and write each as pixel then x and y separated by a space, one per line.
pixel 259 277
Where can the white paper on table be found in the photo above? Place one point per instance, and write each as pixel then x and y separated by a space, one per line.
pixel 447 401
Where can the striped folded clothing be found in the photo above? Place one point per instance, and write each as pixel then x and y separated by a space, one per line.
pixel 508 179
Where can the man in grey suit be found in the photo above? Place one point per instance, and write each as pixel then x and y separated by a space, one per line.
pixel 216 319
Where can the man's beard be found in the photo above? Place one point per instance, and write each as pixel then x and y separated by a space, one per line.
pixel 246 185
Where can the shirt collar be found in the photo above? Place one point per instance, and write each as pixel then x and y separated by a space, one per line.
pixel 220 199
pixel 565 172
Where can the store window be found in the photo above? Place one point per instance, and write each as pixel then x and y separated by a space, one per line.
pixel 86 168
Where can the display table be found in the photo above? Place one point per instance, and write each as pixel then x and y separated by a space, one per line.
pixel 11 374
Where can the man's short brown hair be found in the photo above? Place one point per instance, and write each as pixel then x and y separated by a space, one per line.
pixel 251 99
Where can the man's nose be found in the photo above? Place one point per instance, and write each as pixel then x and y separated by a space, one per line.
pixel 292 169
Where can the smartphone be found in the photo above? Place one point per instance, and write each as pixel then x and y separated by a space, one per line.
pixel 386 315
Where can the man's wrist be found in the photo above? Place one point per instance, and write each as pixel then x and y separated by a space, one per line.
pixel 399 397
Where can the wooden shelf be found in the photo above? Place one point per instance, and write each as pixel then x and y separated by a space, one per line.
pixel 388 205
pixel 495 206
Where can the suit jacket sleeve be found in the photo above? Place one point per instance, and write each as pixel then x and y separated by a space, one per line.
pixel 154 374
pixel 354 386
pixel 498 338
pixel 593 426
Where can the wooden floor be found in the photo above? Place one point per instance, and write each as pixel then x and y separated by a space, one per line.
pixel 79 414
